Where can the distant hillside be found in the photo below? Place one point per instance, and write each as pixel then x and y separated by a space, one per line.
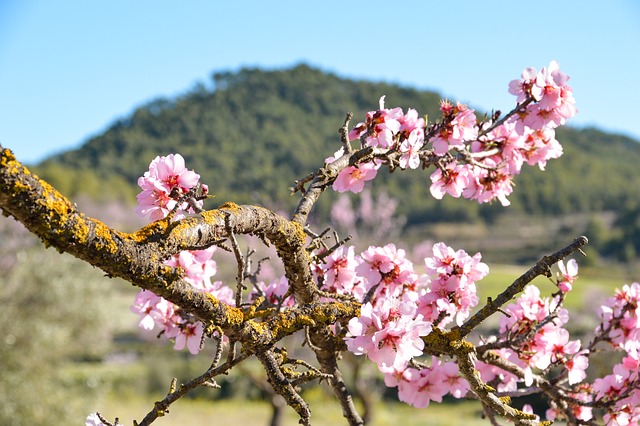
pixel 258 131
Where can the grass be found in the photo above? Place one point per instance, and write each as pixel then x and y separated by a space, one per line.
pixel 233 412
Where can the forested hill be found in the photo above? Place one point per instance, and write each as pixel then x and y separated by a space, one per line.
pixel 257 131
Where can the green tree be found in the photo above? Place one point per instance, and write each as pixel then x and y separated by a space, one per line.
pixel 50 316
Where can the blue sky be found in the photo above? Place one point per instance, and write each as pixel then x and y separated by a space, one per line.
pixel 69 68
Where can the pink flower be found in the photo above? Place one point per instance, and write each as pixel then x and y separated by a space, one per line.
pixel 166 174
pixel 569 275
pixel 410 149
pixel 386 269
pixel 93 420
pixel 340 273
pixel 221 292
pixel 190 335
pixel 488 184
pixel 382 126
pixel 452 290
pixel 455 133
pixel 198 266
pixel 388 333
pixel 452 180
pixel 576 368
pixel 275 291
pixel 457 386
pixel 352 178
pixel 526 86
pixel 154 311
pixel 423 386
pixel 610 386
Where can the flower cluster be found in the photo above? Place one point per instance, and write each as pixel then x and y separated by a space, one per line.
pixel 389 333
pixel 452 291
pixel 400 307
pixel 166 181
pixel 487 155
pixel 389 129
pixel 620 326
pixel 419 387
pixel 157 312
pixel 532 337
pixel 164 186
pixel 534 330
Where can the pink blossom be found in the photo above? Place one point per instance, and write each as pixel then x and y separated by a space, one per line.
pixel 165 175
pixel 154 311
pixel 457 386
pixel 611 385
pixel 420 387
pixel 388 333
pixel 93 420
pixel 551 80
pixel 452 289
pixel 539 146
pixel 461 128
pixel 339 273
pixel 352 178
pixel 569 274
pixel 191 336
pixel 198 266
pixel 488 184
pixel 382 126
pixel 526 86
pixel 410 149
pixel 509 142
pixel 221 292
pixel 275 291
pixel 411 122
pixel 452 179
pixel 576 368
pixel 387 269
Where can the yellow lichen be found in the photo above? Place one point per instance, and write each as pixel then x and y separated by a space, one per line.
pixel 234 315
pixel 6 157
pixel 144 233
pixel 299 233
pixel 229 205
pixel 505 400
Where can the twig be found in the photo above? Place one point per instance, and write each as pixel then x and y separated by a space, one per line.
pixel 283 386
pixel 344 135
pixel 239 259
pixel 161 407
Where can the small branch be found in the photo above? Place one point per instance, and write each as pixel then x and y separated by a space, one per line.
pixel 344 135
pixel 161 407
pixel 518 108
pixel 239 260
pixel 283 387
pixel 487 395
pixel 326 356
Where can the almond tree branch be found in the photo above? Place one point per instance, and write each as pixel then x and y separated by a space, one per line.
pixel 138 257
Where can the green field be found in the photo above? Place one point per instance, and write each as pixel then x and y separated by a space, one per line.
pixel 323 413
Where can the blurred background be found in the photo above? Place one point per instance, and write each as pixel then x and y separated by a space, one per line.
pixel 252 96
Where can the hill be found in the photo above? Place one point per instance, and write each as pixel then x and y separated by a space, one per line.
pixel 257 131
